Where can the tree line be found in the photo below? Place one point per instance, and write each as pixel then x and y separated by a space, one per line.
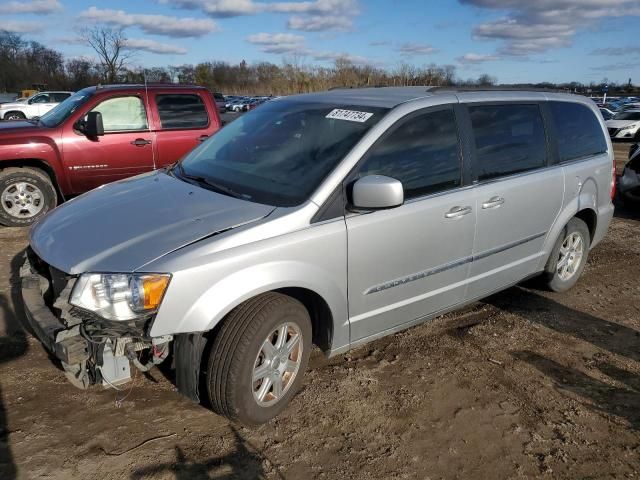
pixel 24 63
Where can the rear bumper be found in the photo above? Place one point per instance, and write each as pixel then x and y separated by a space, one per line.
pixel 605 214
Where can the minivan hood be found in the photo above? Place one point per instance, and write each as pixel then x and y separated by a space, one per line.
pixel 122 226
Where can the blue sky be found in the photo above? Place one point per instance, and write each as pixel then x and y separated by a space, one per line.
pixel 513 40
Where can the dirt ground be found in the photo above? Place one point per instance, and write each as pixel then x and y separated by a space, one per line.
pixel 525 384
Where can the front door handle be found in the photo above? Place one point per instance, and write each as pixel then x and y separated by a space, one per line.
pixel 493 202
pixel 202 138
pixel 457 212
pixel 141 142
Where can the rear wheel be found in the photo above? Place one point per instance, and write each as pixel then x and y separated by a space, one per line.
pixel 569 256
pixel 14 116
pixel 258 358
pixel 26 194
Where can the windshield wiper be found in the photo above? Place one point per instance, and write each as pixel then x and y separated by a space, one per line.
pixel 208 183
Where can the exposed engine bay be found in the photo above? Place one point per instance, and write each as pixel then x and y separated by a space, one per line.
pixel 92 350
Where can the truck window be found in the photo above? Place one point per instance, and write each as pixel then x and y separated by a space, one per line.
pixel 508 138
pixel 181 111
pixel 578 131
pixel 122 114
pixel 422 152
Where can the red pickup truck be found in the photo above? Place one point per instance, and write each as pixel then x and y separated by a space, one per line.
pixel 98 135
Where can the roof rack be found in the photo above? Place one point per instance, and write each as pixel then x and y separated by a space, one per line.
pixel 495 89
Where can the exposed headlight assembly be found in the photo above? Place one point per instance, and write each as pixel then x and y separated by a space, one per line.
pixel 119 296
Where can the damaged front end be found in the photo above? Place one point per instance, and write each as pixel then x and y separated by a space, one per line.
pixel 91 349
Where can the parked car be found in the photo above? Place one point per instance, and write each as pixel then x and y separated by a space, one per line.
pixel 236 106
pixel 96 136
pixel 331 219
pixel 220 102
pixel 629 181
pixel 625 125
pixel 35 106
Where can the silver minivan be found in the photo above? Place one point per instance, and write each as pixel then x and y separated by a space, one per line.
pixel 326 219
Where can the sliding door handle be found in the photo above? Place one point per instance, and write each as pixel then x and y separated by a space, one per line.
pixel 457 212
pixel 493 202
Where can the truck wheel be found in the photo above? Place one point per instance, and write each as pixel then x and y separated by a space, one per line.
pixel 569 256
pixel 258 358
pixel 26 194
pixel 14 116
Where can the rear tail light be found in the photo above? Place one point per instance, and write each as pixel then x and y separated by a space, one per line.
pixel 613 179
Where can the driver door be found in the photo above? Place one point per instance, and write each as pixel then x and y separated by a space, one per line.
pixel 125 149
pixel 40 104
pixel 411 261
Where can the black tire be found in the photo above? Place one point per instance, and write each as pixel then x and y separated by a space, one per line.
pixel 14 116
pixel 551 276
pixel 34 177
pixel 236 348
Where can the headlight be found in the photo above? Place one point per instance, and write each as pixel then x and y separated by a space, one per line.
pixel 118 296
pixel 631 127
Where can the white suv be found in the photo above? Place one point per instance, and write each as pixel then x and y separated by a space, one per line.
pixel 35 106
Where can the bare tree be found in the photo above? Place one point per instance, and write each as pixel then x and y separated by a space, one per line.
pixel 111 46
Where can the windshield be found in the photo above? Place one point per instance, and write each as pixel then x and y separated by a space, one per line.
pixel 279 153
pixel 628 116
pixel 62 111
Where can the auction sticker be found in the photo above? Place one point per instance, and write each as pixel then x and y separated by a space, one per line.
pixel 349 115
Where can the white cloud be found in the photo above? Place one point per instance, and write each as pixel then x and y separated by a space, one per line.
pixel 537 26
pixel 154 47
pixel 616 51
pixel 151 24
pixel 309 15
pixel 235 8
pixel 279 43
pixel 317 23
pixel 16 26
pixel 38 7
pixel 413 48
pixel 290 44
pixel 477 58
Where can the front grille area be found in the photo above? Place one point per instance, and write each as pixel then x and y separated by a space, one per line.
pixel 613 131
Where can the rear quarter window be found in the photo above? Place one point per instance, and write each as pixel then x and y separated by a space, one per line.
pixel 181 111
pixel 577 130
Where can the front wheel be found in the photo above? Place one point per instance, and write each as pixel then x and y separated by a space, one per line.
pixel 26 194
pixel 569 256
pixel 258 359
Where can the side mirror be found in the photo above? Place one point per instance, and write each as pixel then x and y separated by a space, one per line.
pixel 93 126
pixel 376 192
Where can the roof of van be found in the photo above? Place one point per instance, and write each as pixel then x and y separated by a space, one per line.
pixel 390 97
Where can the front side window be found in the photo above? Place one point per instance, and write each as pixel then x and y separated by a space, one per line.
pixel 280 153
pixel 182 111
pixel 122 114
pixel 40 98
pixel 578 131
pixel 422 152
pixel 509 139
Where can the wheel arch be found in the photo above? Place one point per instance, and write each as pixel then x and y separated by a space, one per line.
pixel 39 164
